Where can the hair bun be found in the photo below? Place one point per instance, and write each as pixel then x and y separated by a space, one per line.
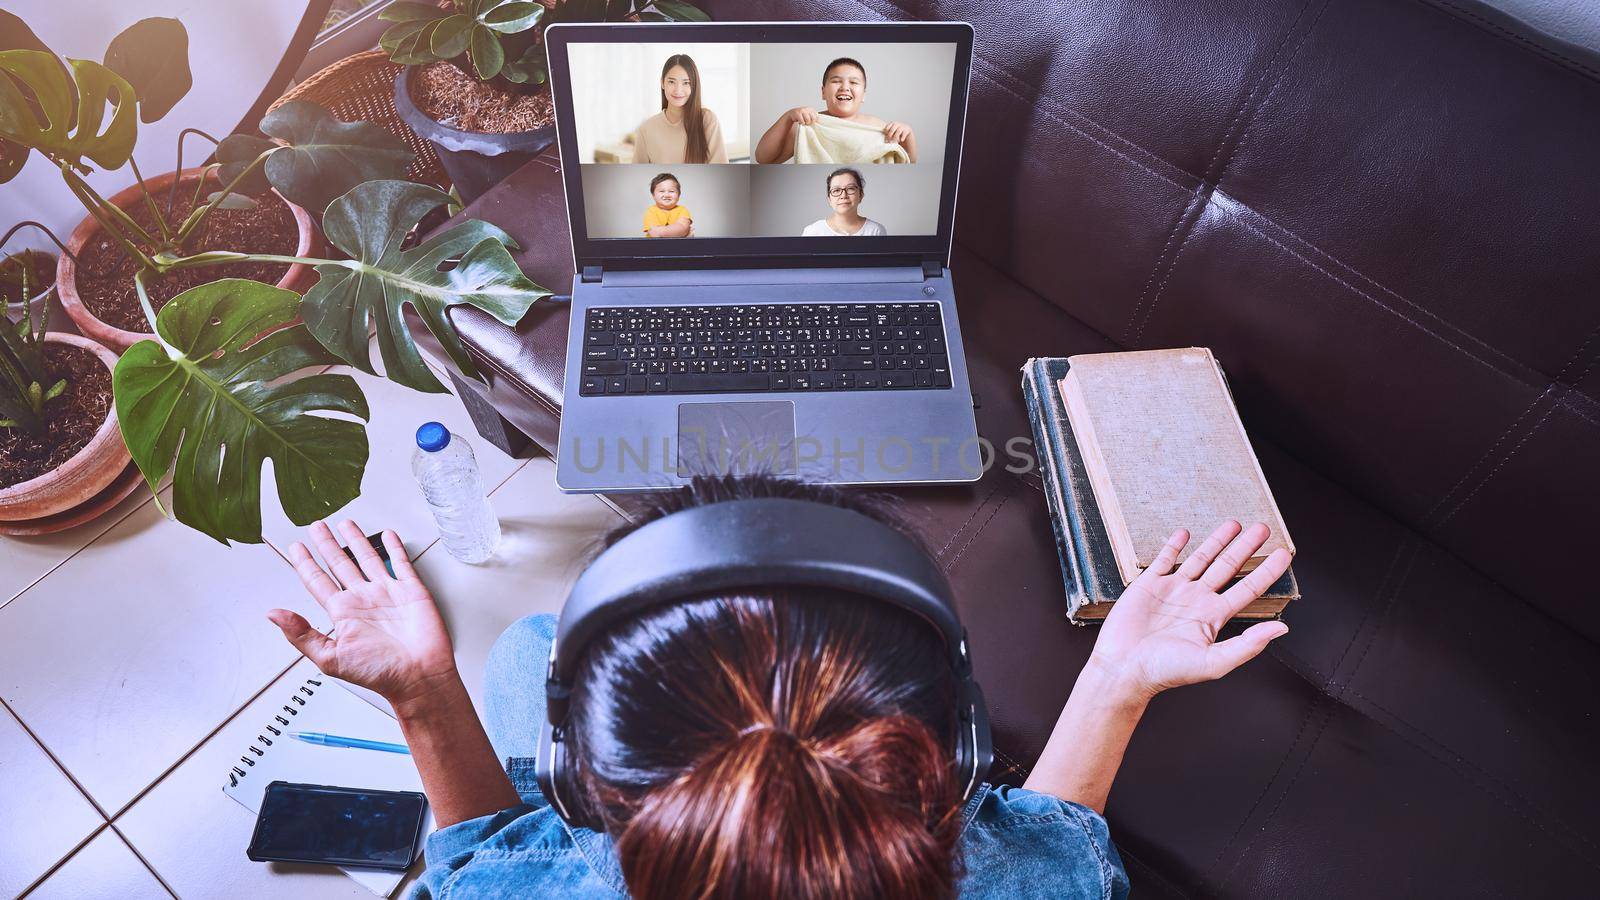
pixel 835 816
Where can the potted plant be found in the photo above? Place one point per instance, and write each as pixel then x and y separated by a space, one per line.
pixel 474 76
pixel 221 383
pixel 184 210
pixel 60 449
pixel 27 281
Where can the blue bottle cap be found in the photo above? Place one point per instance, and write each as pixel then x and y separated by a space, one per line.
pixel 433 437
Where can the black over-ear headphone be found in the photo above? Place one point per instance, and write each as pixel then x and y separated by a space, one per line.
pixel 753 543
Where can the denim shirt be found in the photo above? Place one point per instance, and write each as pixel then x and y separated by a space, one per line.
pixel 1015 843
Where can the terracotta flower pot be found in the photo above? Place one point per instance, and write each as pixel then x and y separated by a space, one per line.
pixel 83 477
pixel 298 278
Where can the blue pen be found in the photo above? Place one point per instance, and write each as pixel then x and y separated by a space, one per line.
pixel 333 740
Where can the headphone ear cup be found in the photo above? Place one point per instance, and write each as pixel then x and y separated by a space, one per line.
pixel 974 744
pixel 545 765
pixel 558 781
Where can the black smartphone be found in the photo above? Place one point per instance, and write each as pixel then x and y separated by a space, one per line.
pixel 315 823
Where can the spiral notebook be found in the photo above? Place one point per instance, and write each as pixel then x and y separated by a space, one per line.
pixel 324 704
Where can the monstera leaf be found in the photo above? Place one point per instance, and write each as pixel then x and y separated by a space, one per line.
pixel 319 157
pixel 16 35
pixel 221 403
pixel 63 115
pixel 153 55
pixel 381 280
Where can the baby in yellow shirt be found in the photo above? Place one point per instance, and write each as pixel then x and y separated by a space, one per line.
pixel 666 218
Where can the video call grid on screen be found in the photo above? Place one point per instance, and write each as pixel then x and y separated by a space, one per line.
pixel 764 173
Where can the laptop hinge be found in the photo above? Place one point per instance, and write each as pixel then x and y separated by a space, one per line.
pixel 932 268
pixel 591 273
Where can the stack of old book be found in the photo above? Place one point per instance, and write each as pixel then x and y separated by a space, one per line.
pixel 1133 446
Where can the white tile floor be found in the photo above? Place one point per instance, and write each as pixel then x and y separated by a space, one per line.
pixel 136 661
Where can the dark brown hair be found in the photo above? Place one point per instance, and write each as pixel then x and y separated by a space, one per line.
pixel 844 61
pixel 860 182
pixel 782 742
pixel 665 176
pixel 694 121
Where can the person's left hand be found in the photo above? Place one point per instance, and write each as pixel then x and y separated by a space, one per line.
pixel 897 132
pixel 387 632
pixel 1162 632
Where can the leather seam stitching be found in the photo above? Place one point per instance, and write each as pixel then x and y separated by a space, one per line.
pixel 968 521
pixel 1244 852
pixel 1051 111
pixel 1509 430
pixel 1510 454
pixel 1051 108
pixel 1571 361
pixel 1018 88
pixel 1322 690
pixel 1506 33
pixel 1387 593
pixel 1017 766
pixel 1415 550
pixel 1266 787
pixel 1384 306
pixel 1526 813
pixel 979 530
pixel 1122 847
pixel 1086 135
pixel 1242 213
pixel 1245 114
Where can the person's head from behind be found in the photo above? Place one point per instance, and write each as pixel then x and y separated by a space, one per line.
pixel 844 87
pixel 789 742
pixel 846 190
pixel 665 190
pixel 680 90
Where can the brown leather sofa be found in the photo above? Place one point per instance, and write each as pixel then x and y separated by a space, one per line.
pixel 1381 214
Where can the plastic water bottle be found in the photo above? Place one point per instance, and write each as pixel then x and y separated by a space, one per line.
pixel 448 473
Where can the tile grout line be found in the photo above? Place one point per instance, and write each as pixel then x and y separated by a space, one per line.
pixel 44 748
pixel 184 757
pixel 490 493
pixel 140 857
pixel 57 866
pixel 227 720
pixel 108 821
pixel 86 545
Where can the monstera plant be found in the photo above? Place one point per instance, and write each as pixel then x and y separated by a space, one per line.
pixel 475 73
pixel 221 386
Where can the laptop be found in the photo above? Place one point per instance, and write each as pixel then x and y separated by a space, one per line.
pixel 761 218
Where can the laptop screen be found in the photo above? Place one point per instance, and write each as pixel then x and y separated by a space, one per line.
pixel 719 142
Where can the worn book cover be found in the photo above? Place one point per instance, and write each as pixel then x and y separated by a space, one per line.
pixel 1088 566
pixel 1164 448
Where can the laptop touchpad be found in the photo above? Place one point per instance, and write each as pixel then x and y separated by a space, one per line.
pixel 739 438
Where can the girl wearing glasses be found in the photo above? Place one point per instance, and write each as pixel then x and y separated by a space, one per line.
pixel 846 190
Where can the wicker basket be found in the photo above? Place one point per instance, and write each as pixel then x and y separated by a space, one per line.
pixel 361 88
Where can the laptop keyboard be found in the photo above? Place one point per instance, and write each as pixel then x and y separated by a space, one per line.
pixel 763 348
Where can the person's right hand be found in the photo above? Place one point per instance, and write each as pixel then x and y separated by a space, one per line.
pixel 1162 631
pixel 387 632
pixel 802 115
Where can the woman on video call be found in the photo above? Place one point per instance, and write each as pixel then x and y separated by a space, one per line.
pixel 846 190
pixel 775 741
pixel 684 131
